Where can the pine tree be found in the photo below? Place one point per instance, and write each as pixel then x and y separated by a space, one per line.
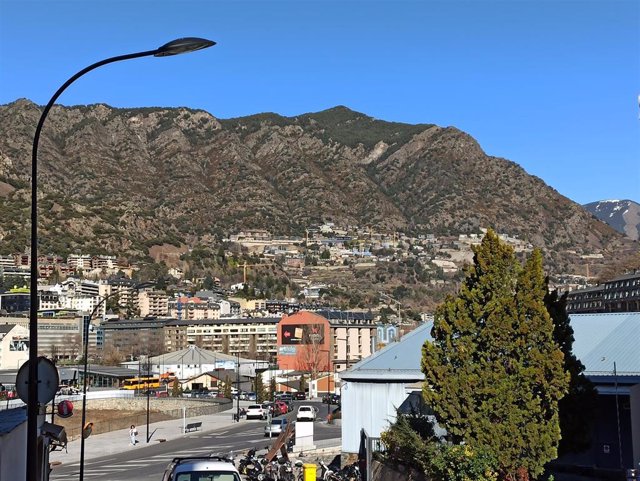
pixel 493 372
pixel 578 406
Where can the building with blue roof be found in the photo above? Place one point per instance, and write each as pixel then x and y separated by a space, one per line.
pixel 608 344
pixel 376 386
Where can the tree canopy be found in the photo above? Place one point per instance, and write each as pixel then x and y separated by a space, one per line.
pixel 493 373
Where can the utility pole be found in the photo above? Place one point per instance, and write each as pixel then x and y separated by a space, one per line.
pixel 148 393
pixel 238 388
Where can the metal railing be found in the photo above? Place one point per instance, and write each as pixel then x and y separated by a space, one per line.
pixel 368 446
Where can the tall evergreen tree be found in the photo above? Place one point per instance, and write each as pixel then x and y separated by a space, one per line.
pixel 578 405
pixel 494 374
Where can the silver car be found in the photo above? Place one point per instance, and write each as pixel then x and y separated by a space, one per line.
pixel 276 427
pixel 209 468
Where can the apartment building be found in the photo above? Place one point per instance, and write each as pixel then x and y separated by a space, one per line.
pixel 7 261
pixel 621 294
pixel 104 262
pixel 123 289
pixel 193 308
pixel 153 303
pixel 79 262
pixel 253 337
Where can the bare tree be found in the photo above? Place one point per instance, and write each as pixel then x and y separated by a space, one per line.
pixel 111 356
pixel 312 357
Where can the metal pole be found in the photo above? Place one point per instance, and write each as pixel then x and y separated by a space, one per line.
pixel 238 388
pixel 148 394
pixel 85 330
pixel 615 380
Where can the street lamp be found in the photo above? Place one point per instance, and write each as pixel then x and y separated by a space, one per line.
pixel 182 45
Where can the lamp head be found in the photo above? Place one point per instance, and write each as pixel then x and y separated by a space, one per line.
pixel 183 45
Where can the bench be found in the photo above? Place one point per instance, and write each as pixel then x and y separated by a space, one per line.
pixel 192 427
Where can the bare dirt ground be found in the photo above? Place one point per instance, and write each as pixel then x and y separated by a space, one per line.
pixel 106 420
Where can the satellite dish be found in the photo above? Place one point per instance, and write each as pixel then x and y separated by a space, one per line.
pixel 48 381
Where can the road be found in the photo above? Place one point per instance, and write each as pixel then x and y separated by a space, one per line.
pixel 148 462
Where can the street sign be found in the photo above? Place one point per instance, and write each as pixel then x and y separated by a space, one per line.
pixel 48 381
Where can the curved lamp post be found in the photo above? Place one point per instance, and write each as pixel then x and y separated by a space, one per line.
pixel 182 45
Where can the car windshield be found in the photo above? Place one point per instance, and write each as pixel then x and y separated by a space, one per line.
pixel 207 476
pixel 255 406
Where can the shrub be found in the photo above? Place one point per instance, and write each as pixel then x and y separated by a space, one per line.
pixel 461 463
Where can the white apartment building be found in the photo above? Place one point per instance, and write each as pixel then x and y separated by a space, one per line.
pixel 104 262
pixel 79 261
pixel 7 261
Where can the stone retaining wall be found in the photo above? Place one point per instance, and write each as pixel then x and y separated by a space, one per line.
pixel 155 404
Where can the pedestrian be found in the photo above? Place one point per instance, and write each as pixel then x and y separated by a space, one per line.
pixel 132 434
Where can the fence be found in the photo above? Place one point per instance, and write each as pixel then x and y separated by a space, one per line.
pixel 368 446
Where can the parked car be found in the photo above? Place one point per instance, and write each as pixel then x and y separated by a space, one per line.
pixel 256 411
pixel 286 397
pixel 276 427
pixel 268 405
pixel 205 467
pixel 300 396
pixel 306 413
pixel 280 407
pixel 331 399
pixel 251 396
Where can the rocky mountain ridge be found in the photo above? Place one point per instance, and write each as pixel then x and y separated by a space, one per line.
pixel 123 180
pixel 622 215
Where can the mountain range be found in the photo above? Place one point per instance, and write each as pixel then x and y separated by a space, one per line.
pixel 622 215
pixel 125 180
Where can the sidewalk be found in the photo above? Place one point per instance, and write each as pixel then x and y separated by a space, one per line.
pixel 118 441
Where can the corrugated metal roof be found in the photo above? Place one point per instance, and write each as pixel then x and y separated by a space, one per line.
pixel 197 356
pixel 397 361
pixel 605 338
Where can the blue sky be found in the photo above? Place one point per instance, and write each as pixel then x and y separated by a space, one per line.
pixel 551 85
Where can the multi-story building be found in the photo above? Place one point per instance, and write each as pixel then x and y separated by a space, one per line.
pixel 16 300
pixel 621 294
pixel 193 308
pixel 79 262
pixel 153 303
pixel 124 290
pixel 104 262
pixel 14 346
pixel 49 299
pixel 59 337
pixel 586 300
pixel 134 337
pixel 252 337
pixel 250 305
pixel 7 261
pixel 325 340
